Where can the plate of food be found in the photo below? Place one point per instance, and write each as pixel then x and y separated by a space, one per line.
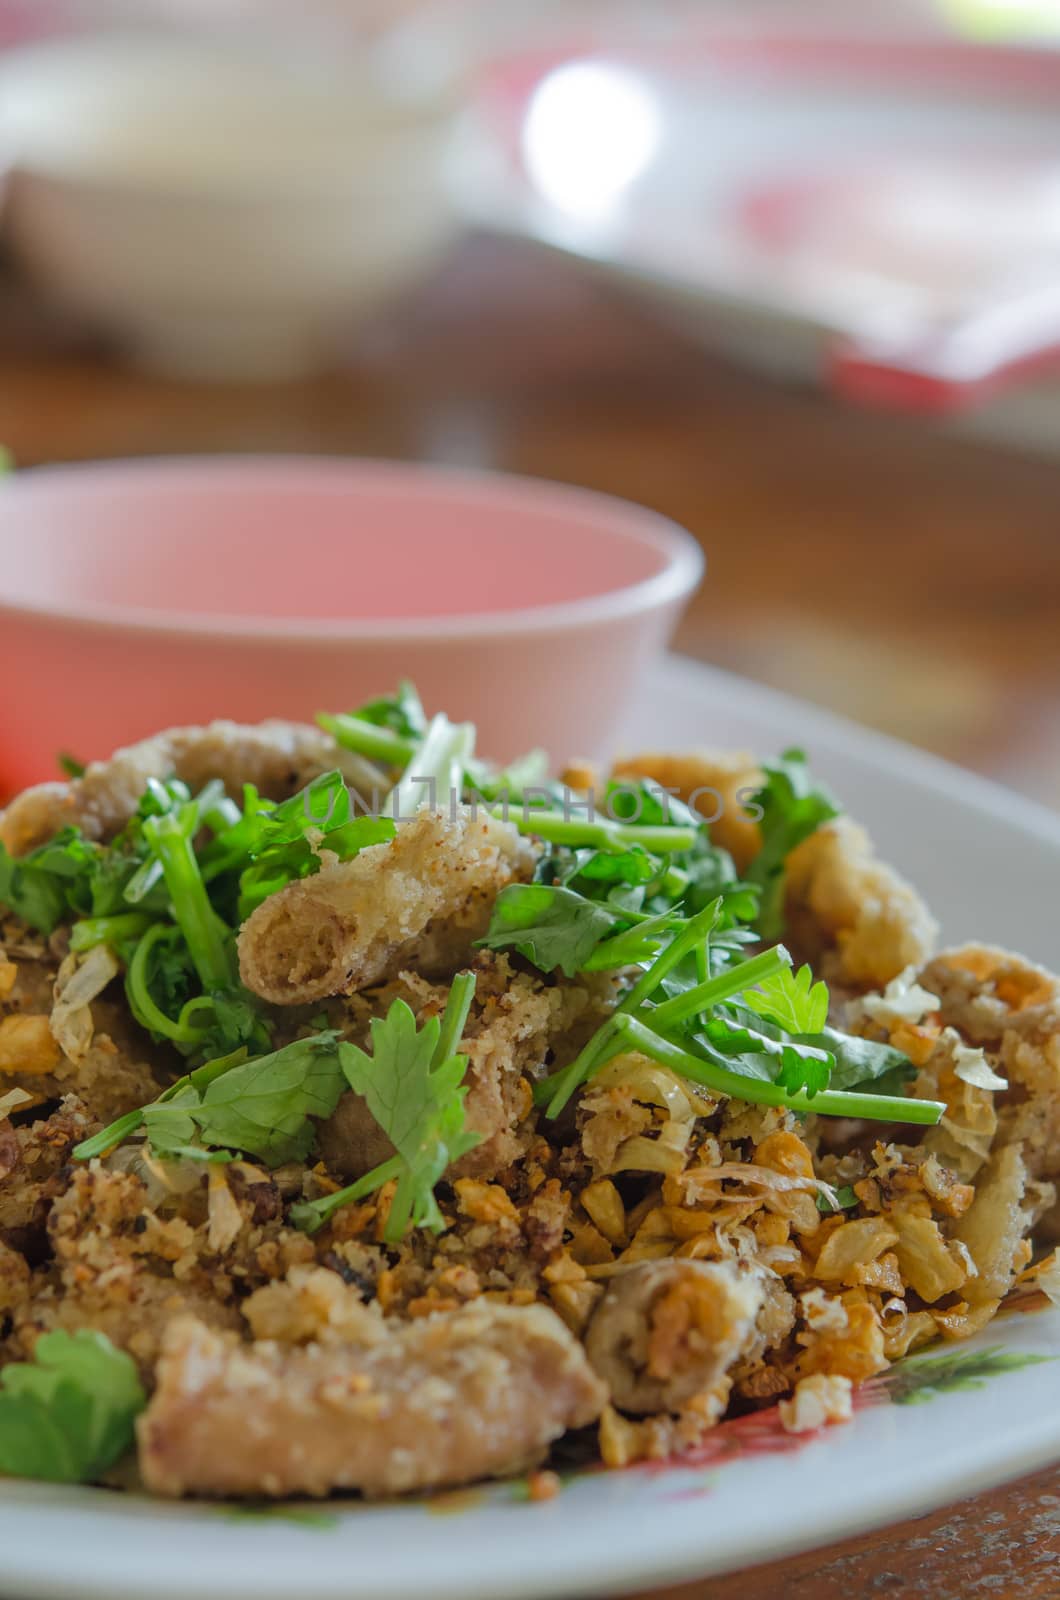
pixel 434 1176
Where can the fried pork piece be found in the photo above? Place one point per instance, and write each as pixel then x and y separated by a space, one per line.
pixel 278 757
pixel 993 1230
pixel 666 1331
pixel 717 784
pixel 850 915
pixel 448 1399
pixel 419 901
pixel 518 1025
pixel 1010 1009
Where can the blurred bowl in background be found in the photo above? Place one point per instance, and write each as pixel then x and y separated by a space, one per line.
pixel 224 210
pixel 136 595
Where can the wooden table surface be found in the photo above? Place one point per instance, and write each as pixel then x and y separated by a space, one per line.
pixel 909 579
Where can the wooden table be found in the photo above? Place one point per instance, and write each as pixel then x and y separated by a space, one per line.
pixel 870 563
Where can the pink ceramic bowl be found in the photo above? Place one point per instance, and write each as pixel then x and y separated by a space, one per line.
pixel 136 595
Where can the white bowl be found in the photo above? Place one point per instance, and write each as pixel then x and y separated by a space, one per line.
pixel 222 212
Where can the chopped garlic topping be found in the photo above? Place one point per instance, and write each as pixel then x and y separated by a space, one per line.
pixel 12 1100
pixel 972 1066
pixel 817 1400
pixel 903 1000
pixel 824 1313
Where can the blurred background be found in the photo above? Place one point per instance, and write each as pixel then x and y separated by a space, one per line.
pixel 789 273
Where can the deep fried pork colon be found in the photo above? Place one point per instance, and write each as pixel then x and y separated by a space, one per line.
pixel 279 758
pixel 667 1331
pixel 419 902
pixel 474 1393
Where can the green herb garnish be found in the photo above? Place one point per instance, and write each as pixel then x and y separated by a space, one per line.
pixel 68 1415
pixel 792 807
pixel 791 999
pixel 413 1084
pixel 264 1106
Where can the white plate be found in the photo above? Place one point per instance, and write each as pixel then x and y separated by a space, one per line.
pixel 990 864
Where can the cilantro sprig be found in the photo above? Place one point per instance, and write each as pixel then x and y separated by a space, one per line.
pixel 387 729
pixel 793 807
pixel 283 842
pixel 791 999
pixel 752 1031
pixel 44 886
pixel 413 1083
pixel 611 892
pixel 265 1106
pixel 712 1074
pixel 68 1415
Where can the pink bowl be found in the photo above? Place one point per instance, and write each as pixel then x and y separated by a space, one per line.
pixel 136 595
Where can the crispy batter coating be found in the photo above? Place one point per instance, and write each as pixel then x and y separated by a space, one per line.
pixel 851 915
pixel 455 1397
pixel 1010 1008
pixel 419 901
pixel 725 781
pixel 279 758
pixel 666 1331
pixel 996 1224
pixel 519 1026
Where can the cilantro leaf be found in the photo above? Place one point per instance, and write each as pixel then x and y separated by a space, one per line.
pixel 42 886
pixel 402 712
pixel 710 870
pixel 416 1095
pixel 845 1200
pixel 264 1106
pixel 801 1070
pixel 68 1415
pixel 733 1035
pixel 285 842
pixel 632 946
pixel 632 867
pixel 170 1126
pixel 792 1000
pixel 551 926
pixel 793 808
pixel 865 1064
pixel 413 1085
